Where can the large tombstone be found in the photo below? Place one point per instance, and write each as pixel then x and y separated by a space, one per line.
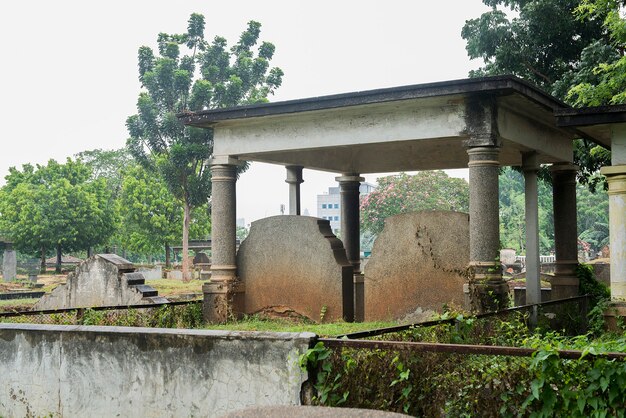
pixel 296 262
pixel 419 262
pixel 9 264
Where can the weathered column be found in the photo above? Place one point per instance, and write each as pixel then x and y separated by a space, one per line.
pixel 223 295
pixel 487 289
pixel 531 199
pixel 294 179
pixel 616 177
pixel 350 217
pixel 351 234
pixel 565 281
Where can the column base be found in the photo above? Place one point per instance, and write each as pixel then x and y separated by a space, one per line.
pixel 488 296
pixel 359 297
pixel 487 292
pixel 223 301
pixel 564 286
pixel 615 316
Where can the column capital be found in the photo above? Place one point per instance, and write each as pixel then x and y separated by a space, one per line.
pixel 483 156
pixel 223 172
pixel 529 162
pixel 616 177
pixel 349 177
pixel 224 160
pixel 294 174
pixel 613 170
pixel 564 167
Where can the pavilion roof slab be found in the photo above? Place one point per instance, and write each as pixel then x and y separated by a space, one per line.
pixel 597 123
pixel 408 128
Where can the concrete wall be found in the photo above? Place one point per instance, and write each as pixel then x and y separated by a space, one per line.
pixel 83 371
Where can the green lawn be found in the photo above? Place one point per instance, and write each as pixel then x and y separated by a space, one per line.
pixel 167 287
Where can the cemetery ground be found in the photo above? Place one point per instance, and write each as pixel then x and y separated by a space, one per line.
pixel 457 365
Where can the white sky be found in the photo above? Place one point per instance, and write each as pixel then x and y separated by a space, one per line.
pixel 68 75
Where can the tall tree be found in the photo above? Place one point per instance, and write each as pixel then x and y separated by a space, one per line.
pixel 538 40
pixel 110 166
pixel 548 43
pixel 403 193
pixel 151 216
pixel 55 207
pixel 607 85
pixel 209 76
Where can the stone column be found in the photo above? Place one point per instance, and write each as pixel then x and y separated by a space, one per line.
pixel 616 177
pixel 294 179
pixel 223 295
pixel 564 282
pixel 487 289
pixel 351 234
pixel 533 283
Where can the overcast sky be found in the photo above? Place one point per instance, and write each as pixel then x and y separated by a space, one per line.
pixel 68 75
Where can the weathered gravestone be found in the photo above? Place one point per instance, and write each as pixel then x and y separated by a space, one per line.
pixel 296 262
pixel 101 280
pixel 9 264
pixel 418 262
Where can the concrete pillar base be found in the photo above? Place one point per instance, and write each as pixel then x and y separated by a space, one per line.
pixel 223 301
pixel 359 297
pixel 615 316
pixel 564 286
pixel 488 292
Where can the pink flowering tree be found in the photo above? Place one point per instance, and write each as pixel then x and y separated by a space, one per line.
pixel 403 193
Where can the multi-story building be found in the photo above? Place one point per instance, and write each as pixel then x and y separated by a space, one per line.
pixel 329 204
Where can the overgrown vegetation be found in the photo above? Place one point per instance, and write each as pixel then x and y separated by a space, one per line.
pixel 461 385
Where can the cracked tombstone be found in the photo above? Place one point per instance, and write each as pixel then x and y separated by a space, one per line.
pixel 419 263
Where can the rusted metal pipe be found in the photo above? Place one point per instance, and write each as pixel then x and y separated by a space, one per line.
pixel 489 350
pixel 397 328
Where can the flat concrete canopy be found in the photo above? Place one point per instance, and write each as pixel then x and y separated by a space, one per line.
pixel 410 128
pixel 595 123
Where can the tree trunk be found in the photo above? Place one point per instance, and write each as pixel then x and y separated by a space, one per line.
pixel 186 276
pixel 58 264
pixel 89 251
pixel 168 263
pixel 42 269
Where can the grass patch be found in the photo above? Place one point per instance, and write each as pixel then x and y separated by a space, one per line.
pixel 17 304
pixel 254 323
pixel 168 287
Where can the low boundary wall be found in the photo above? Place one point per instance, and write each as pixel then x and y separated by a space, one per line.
pixel 78 371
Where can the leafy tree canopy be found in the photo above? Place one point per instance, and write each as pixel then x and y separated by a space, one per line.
pixel 604 66
pixel 571 48
pixel 192 74
pixel 151 215
pixel 403 193
pixel 55 207
pixel 592 215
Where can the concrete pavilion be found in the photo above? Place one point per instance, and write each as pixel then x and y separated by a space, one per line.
pixel 480 123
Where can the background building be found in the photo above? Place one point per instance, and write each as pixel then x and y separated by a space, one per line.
pixel 329 204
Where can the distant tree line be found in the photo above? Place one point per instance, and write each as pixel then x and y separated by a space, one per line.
pixel 434 190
